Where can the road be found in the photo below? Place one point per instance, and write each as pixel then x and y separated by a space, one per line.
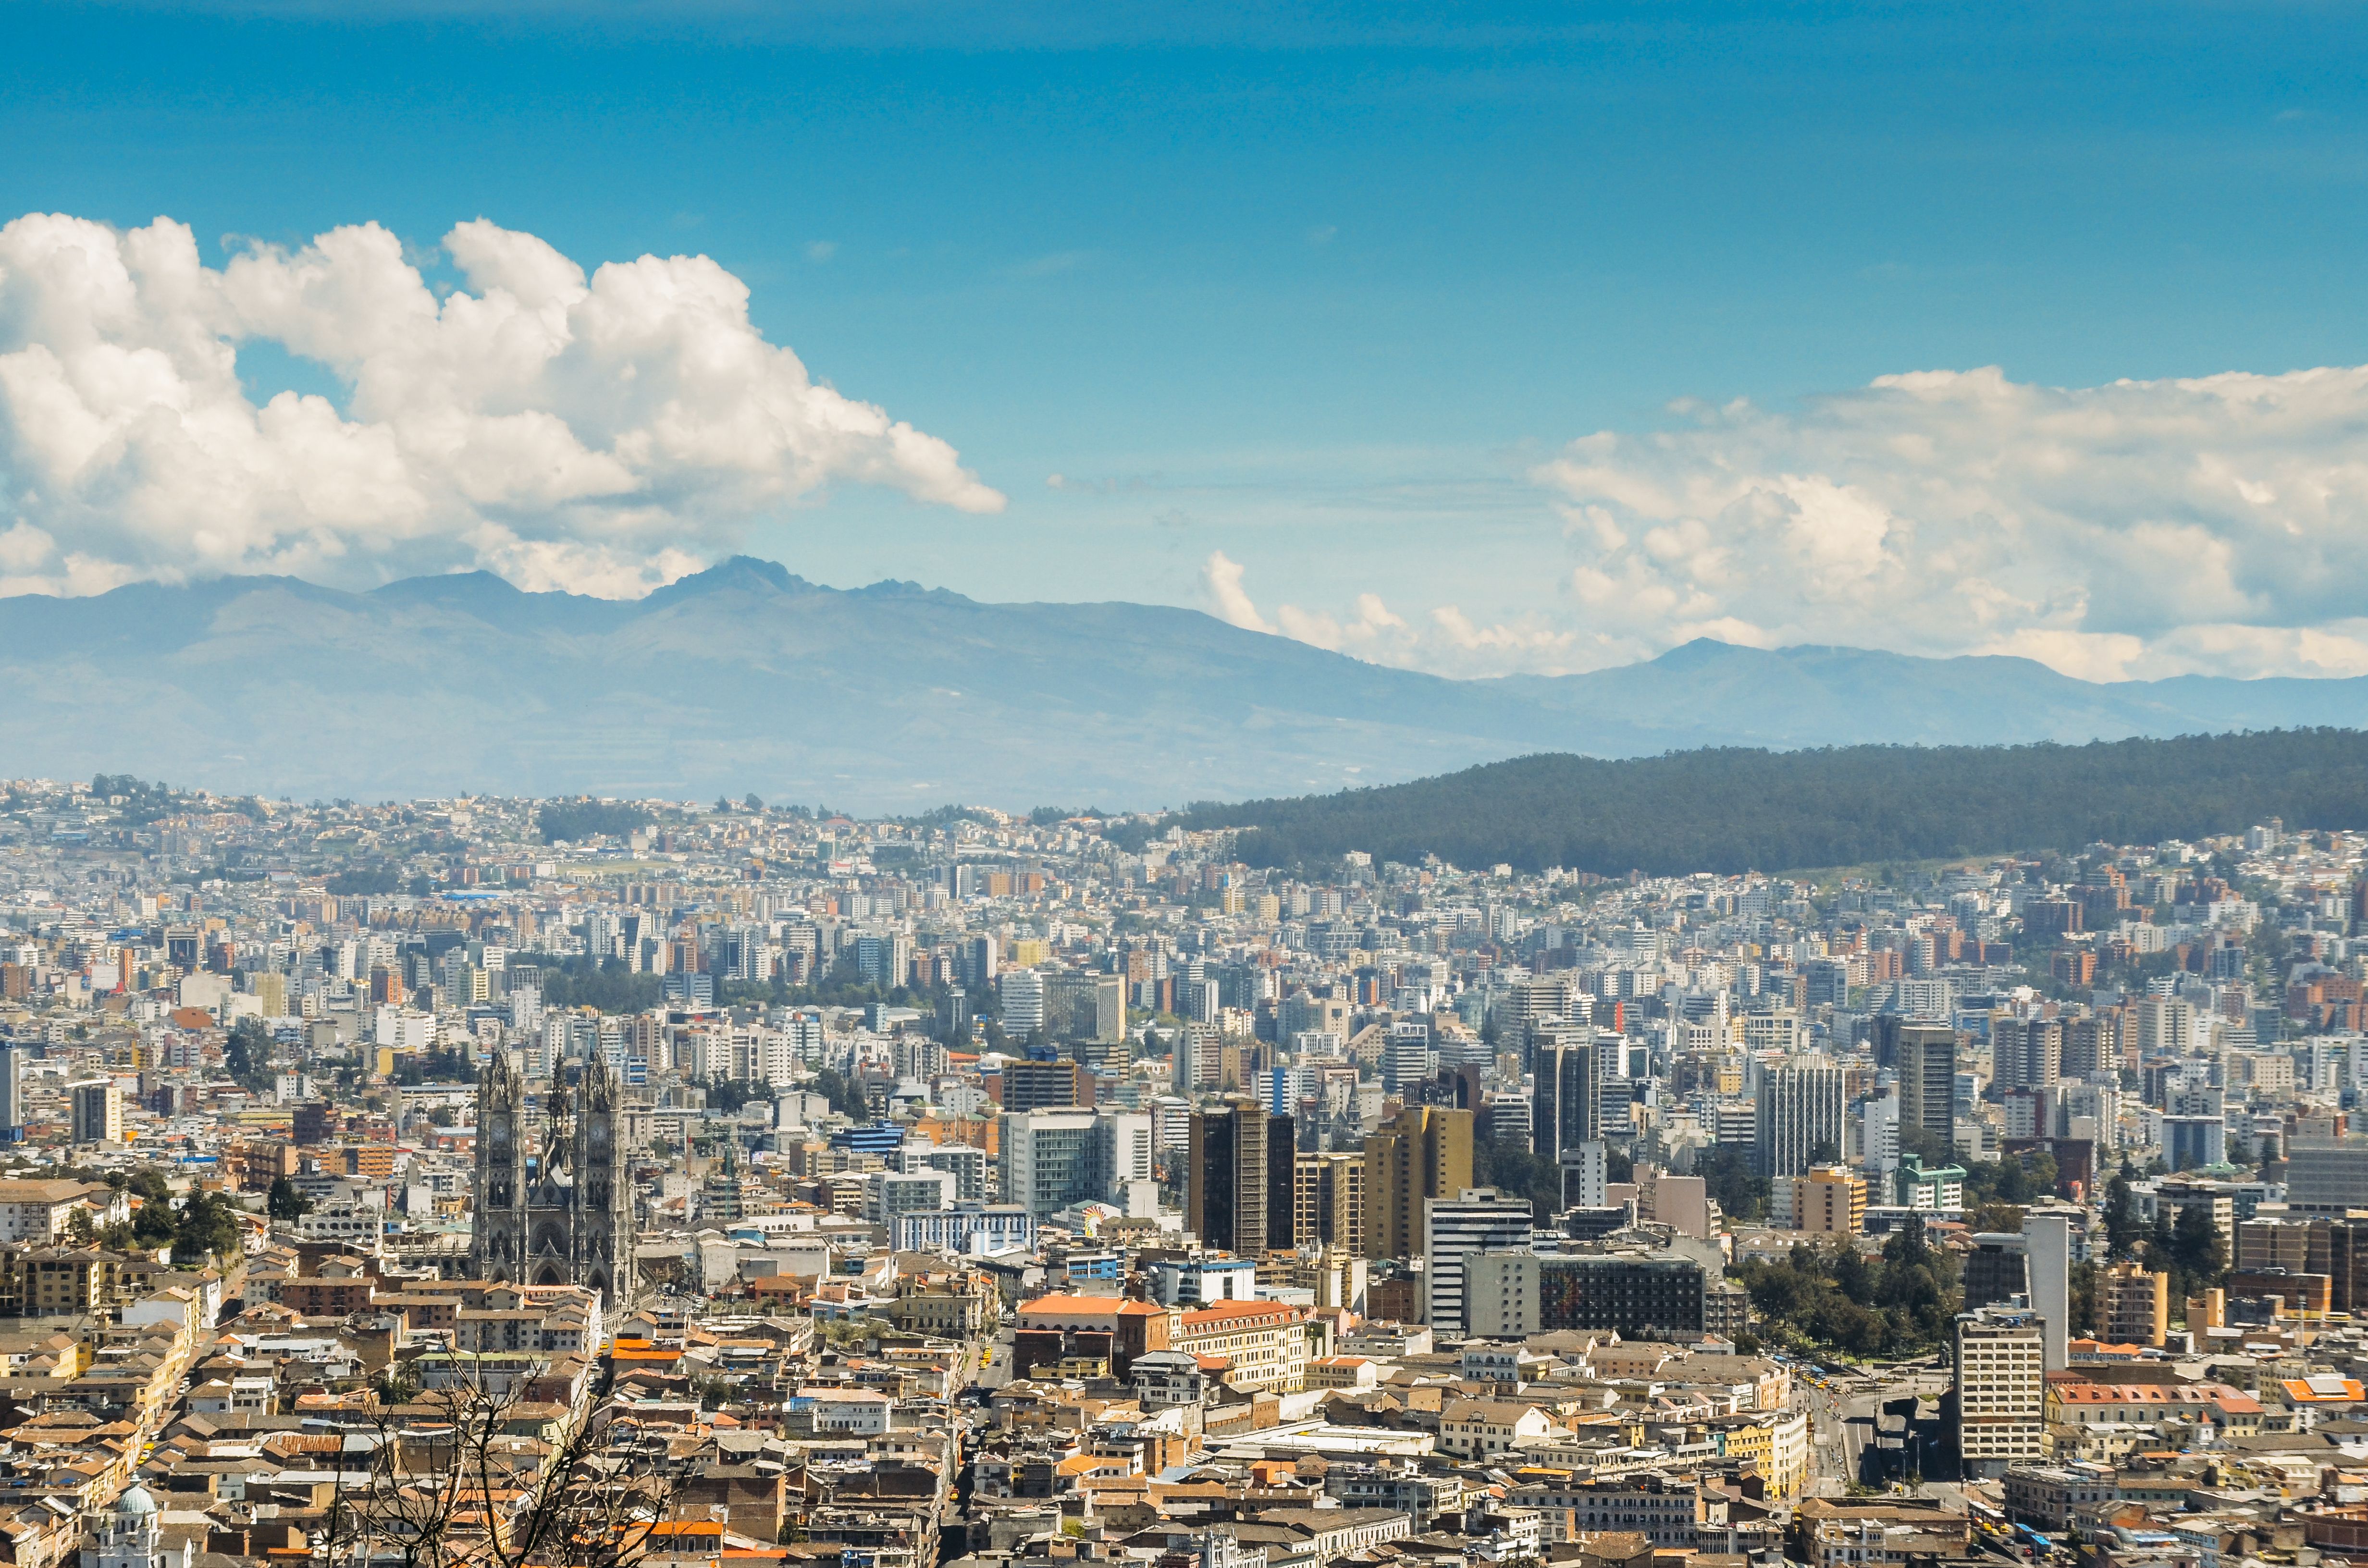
pixel 1842 1418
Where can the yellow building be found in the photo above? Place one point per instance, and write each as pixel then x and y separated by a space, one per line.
pixel 1422 1152
pixel 1829 1201
pixel 1777 1441
pixel 2136 1304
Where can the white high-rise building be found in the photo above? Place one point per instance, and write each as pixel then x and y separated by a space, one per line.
pixel 2047 1251
pixel 1050 1159
pixel 1021 992
pixel 1477 1220
pixel 2001 1355
pixel 1799 1117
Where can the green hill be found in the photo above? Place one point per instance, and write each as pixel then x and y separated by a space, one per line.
pixel 1731 809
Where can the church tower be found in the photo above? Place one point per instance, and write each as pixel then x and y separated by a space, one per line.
pixel 565 1217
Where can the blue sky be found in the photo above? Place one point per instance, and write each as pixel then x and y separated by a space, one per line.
pixel 1326 290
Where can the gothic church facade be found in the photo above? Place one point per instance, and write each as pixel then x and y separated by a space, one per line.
pixel 565 1216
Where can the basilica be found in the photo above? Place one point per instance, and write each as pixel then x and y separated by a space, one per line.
pixel 554 1193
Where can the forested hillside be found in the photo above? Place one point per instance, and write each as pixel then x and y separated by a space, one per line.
pixel 1738 810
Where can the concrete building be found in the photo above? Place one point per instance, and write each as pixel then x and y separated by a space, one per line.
pixel 1476 1220
pixel 1513 1294
pixel 1050 1159
pixel 2135 1303
pixel 97 1112
pixel 1799 1116
pixel 1423 1153
pixel 2001 1356
pixel 2047 1253
pixel 1829 1201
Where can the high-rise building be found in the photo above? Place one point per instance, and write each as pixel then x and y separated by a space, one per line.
pixel 2091 1044
pixel 2191 1141
pixel 1994 1270
pixel 1082 1006
pixel 2327 1174
pixel 1406 1058
pixel 1329 1208
pixel 1424 1152
pixel 2026 1053
pixel 1827 1201
pixel 97 1112
pixel 2165 1027
pixel 1020 993
pixel 1040 1086
pixel 1565 1106
pixel 1474 1221
pixel 12 1095
pixel 1924 1056
pixel 1050 1159
pixel 1241 1197
pixel 2002 1357
pixel 2136 1304
pixel 2047 1253
pixel 1799 1116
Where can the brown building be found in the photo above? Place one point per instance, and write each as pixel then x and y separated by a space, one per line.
pixel 1241 1197
pixel 1423 1151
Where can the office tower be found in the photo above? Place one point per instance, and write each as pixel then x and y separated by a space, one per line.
pixel 1799 1116
pixel 975 961
pixel 1565 1106
pixel 2026 1053
pixel 2165 1027
pixel 2047 1251
pixel 97 1112
pixel 2327 1174
pixel 2091 1044
pixel 1476 1220
pixel 1925 1058
pixel 1407 1058
pixel 12 1095
pixel 1050 1159
pixel 1511 1295
pixel 1241 1197
pixel 2000 1382
pixel 2191 1141
pixel 1328 1209
pixel 1424 1152
pixel 1040 1086
pixel 2136 1304
pixel 1022 994
pixel 1081 1007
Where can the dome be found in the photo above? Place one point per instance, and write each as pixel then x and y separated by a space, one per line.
pixel 135 1503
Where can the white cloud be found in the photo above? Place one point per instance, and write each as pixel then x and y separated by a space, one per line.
pixel 1220 577
pixel 2140 529
pixel 1448 645
pixel 604 432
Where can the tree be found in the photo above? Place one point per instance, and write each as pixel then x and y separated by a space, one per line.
pixel 453 1485
pixel 247 1056
pixel 284 1202
pixel 207 1229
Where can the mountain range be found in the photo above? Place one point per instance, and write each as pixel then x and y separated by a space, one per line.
pixel 895 697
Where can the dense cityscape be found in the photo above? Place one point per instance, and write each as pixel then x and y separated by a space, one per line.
pixel 604 1181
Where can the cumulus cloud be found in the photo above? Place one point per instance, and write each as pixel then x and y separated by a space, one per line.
pixel 2141 529
pixel 1221 579
pixel 1449 643
pixel 603 434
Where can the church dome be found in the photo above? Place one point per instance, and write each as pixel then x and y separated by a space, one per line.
pixel 135 1503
